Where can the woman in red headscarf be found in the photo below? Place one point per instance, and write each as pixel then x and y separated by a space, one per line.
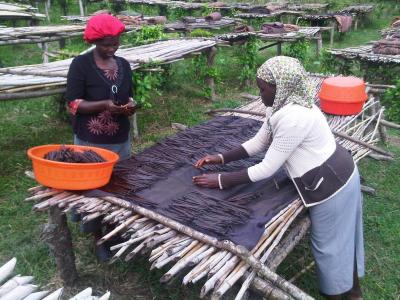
pixel 99 89
pixel 100 99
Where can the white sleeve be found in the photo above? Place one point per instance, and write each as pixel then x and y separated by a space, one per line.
pixel 258 143
pixel 287 136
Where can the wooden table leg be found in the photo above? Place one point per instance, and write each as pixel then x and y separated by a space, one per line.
pixel 211 52
pixel 279 48
pixel 57 236
pixel 332 34
pixel 318 44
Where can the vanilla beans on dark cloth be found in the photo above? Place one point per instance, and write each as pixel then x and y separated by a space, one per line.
pixel 160 179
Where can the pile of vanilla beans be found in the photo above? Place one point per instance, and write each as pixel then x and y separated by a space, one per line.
pixel 68 155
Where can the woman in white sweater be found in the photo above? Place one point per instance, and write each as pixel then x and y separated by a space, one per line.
pixel 296 135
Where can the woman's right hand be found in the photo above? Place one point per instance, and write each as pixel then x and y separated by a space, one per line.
pixel 113 108
pixel 208 160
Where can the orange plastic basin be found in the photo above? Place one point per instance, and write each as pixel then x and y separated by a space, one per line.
pixel 72 176
pixel 342 95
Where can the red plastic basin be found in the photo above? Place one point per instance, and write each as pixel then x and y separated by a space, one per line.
pixel 342 95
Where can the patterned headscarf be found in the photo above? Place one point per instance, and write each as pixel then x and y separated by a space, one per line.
pixel 292 84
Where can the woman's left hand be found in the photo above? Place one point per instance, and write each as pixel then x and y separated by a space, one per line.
pixel 206 180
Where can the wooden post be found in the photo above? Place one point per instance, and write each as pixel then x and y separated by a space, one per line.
pixel 134 126
pixel 279 48
pixel 57 236
pixel 211 52
pixel 45 49
pixel 81 8
pixel 355 22
pixel 332 34
pixel 318 44
pixel 61 43
pixel 47 5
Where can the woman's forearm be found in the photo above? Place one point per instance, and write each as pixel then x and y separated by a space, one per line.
pixel 91 107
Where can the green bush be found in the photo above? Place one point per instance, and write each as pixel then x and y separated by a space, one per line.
pixel 391 101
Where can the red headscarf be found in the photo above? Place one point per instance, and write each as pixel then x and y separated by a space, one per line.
pixel 102 25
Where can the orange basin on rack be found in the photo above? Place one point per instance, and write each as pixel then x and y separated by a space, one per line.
pixel 342 95
pixel 72 176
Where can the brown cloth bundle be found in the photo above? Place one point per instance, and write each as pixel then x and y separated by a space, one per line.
pixel 244 28
pixel 156 20
pixel 344 22
pixel 130 20
pixel 291 27
pixel 389 46
pixel 395 22
pixel 272 28
pixel 217 4
pixel 215 16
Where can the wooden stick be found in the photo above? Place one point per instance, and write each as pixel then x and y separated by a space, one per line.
pixel 118 229
pixel 281 230
pixel 242 252
pixel 339 134
pixel 302 272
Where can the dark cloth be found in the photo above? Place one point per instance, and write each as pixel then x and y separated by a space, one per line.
pixel 86 81
pixel 390 46
pixel 322 182
pixel 160 179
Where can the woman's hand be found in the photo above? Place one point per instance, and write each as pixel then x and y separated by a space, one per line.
pixel 206 180
pixel 208 160
pixel 129 108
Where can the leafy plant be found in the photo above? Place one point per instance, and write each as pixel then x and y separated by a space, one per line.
pixel 201 71
pixel 147 34
pixel 247 55
pixel 146 85
pixel 201 33
pixel 298 50
pixel 391 100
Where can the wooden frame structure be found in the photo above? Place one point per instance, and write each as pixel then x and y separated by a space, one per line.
pixel 50 78
pixel 364 53
pixel 308 33
pixel 168 241
pixel 12 11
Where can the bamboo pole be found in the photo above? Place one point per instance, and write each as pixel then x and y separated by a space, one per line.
pixel 242 252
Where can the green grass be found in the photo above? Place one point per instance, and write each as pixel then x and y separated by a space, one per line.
pixel 26 123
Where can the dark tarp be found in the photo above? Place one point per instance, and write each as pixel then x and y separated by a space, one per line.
pixel 162 177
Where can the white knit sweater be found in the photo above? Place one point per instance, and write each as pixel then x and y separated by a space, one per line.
pixel 302 140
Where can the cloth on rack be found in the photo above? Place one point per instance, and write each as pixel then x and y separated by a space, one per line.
pixel 215 16
pixel 160 179
pixel 156 20
pixel 390 46
pixel 271 28
pixel 217 4
pixel 243 28
pixel 344 22
pixel 395 22
pixel 259 10
pixel 276 27
pixel 130 20
pixel 291 27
